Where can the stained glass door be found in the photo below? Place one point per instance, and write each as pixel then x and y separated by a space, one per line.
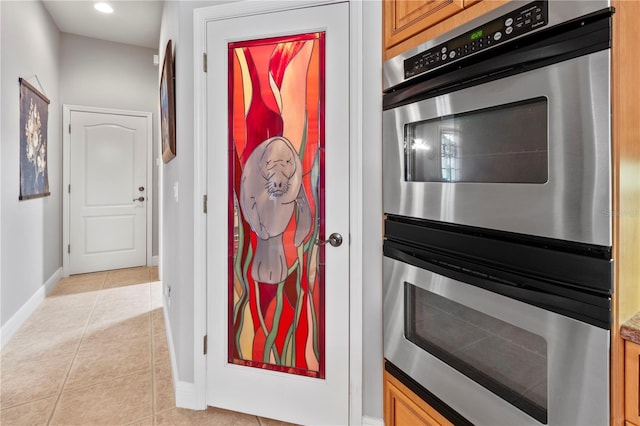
pixel 278 161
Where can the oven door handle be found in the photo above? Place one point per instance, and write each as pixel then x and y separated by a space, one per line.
pixel 589 308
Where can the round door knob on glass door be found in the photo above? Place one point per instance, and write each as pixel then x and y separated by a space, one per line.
pixel 335 240
pixel 139 199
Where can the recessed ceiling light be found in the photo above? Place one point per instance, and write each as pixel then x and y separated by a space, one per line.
pixel 103 7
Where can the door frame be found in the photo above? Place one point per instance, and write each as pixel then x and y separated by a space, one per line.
pixel 66 174
pixel 202 17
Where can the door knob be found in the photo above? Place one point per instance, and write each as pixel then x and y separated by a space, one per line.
pixel 335 240
pixel 139 199
pixel 141 188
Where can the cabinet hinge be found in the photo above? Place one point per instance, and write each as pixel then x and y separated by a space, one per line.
pixel 205 345
pixel 69 249
pixel 69 188
pixel 204 204
pixel 204 62
pixel 69 128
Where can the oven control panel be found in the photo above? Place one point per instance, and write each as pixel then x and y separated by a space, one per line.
pixel 527 18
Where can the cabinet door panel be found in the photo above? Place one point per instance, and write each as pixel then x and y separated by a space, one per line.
pixel 404 408
pixel 632 382
pixel 404 19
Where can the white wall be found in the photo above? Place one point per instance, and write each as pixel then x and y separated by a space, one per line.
pixel 105 74
pixel 372 211
pixel 31 229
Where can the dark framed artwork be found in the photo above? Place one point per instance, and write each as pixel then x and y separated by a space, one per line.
pixel 34 117
pixel 168 106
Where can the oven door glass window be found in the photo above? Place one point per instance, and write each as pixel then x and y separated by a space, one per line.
pixel 503 144
pixel 507 360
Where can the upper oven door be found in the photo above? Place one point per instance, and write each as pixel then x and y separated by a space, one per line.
pixel 529 153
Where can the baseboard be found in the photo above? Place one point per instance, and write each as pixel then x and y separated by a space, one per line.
pixel 185 393
pixel 186 396
pixel 154 260
pixel 372 421
pixel 22 315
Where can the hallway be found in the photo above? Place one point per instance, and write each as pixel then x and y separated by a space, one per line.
pixel 95 353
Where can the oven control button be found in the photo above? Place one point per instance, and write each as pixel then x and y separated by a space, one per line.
pixel 508 22
pixel 444 49
pixel 452 54
pixel 444 56
pixel 497 36
pixel 508 30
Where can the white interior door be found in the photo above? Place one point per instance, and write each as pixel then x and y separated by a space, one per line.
pixel 278 175
pixel 108 191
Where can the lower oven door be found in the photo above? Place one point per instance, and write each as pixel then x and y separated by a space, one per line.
pixel 494 360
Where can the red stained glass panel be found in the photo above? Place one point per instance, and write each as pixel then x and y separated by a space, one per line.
pixel 276 191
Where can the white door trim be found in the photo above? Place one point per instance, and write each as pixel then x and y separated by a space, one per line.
pixel 66 174
pixel 201 17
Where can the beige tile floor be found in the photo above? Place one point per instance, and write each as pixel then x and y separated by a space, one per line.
pixel 95 353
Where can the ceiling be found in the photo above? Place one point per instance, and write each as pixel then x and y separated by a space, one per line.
pixel 132 22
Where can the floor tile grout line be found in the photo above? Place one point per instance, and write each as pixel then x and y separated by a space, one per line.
pixel 111 379
pixel 164 410
pixel 75 355
pixel 152 351
pixel 31 401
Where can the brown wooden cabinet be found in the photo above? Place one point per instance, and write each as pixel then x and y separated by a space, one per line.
pixel 404 19
pixel 408 23
pixel 632 383
pixel 404 408
pixel 626 193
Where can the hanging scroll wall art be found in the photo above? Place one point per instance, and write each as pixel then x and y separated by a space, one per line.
pixel 34 116
pixel 276 130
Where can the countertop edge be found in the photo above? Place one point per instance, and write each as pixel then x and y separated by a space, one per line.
pixel 630 330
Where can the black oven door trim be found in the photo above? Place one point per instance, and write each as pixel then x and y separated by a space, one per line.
pixel 576 38
pixel 586 267
pixel 475 260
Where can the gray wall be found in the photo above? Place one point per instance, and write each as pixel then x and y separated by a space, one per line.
pixel 372 208
pixel 177 215
pixel 32 229
pixel 104 74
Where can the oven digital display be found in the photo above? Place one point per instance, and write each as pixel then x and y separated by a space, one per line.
pixel 500 30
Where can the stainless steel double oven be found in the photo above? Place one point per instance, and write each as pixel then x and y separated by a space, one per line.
pixel 497 196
